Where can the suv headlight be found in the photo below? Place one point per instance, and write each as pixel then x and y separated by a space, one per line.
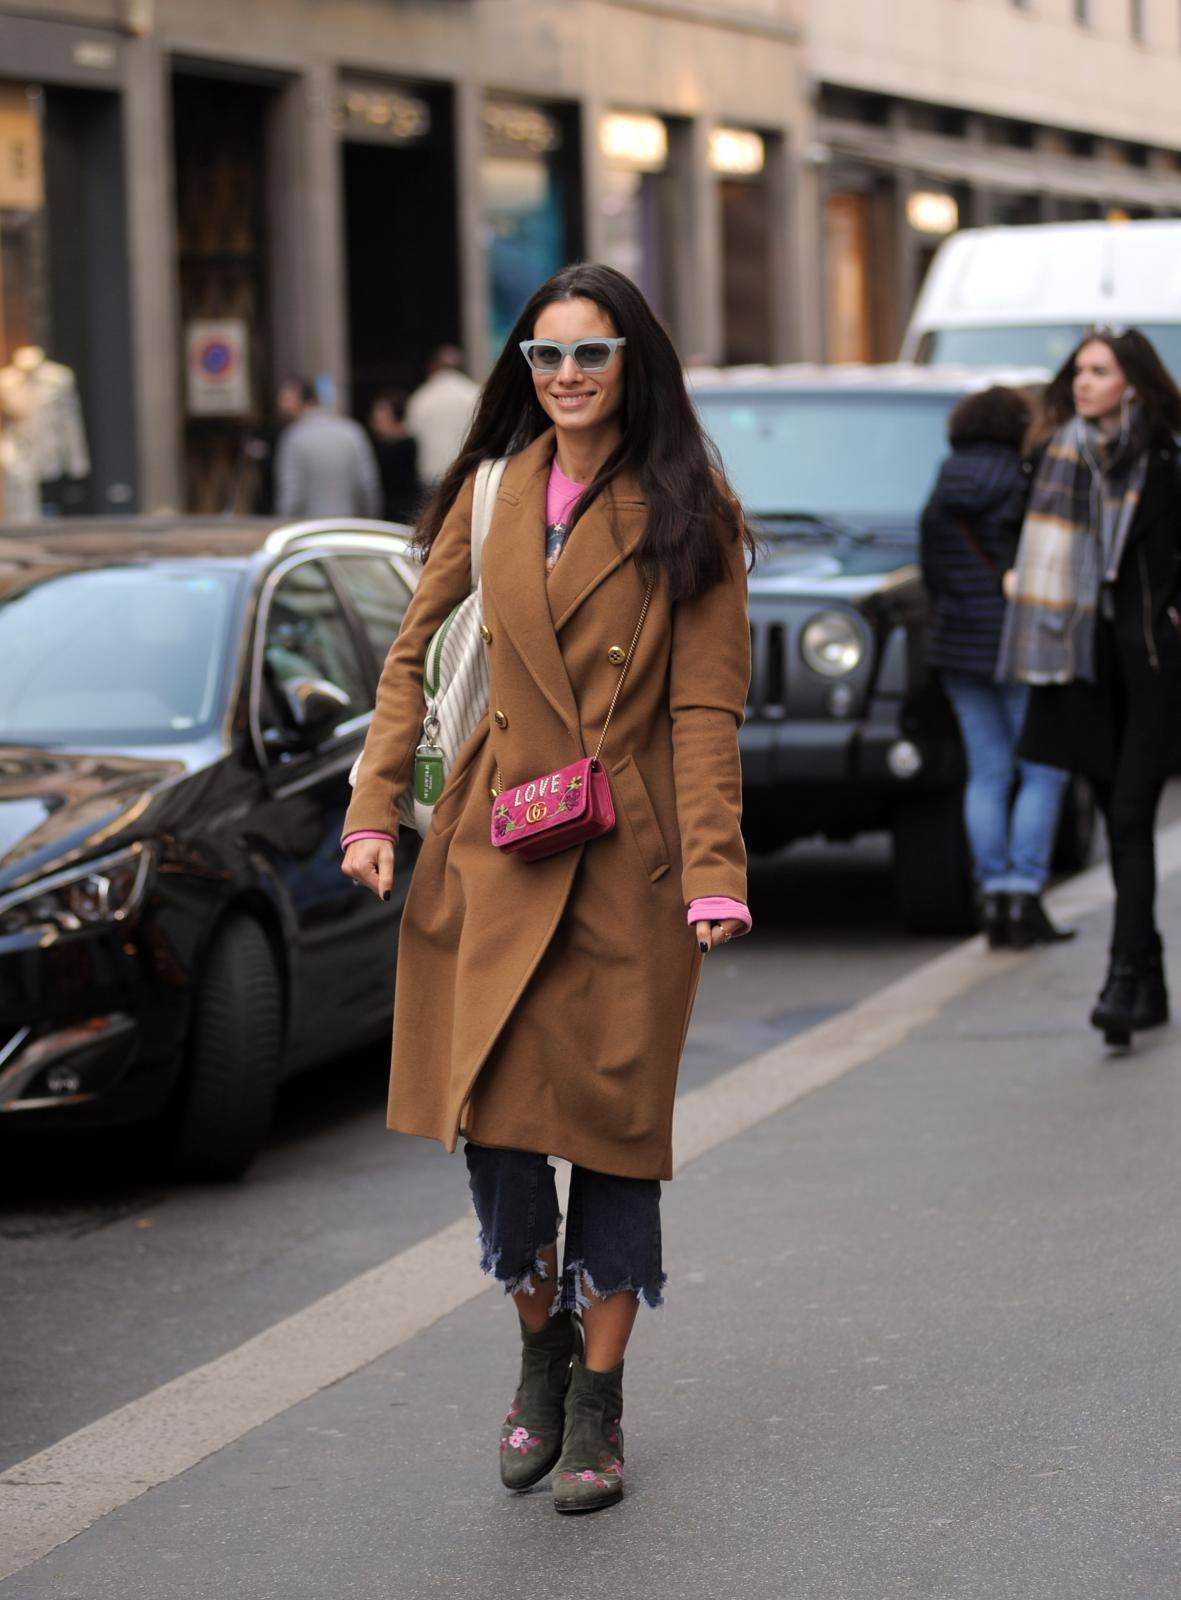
pixel 99 892
pixel 832 644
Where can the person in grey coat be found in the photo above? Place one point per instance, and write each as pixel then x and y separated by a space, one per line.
pixel 325 465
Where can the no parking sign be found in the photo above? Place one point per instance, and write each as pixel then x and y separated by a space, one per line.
pixel 218 368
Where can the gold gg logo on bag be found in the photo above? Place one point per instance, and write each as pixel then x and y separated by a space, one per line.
pixel 535 813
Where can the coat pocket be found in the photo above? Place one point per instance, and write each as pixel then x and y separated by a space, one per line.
pixel 633 800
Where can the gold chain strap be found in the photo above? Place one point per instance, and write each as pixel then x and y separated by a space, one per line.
pixel 631 650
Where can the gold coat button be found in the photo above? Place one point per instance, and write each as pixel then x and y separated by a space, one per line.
pixel 500 719
pixel 617 655
pixel 485 633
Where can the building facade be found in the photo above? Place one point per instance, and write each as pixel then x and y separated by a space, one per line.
pixel 231 192
pixel 925 115
pixel 198 197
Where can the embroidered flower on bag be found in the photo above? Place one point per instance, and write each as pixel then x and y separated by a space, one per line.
pixel 501 826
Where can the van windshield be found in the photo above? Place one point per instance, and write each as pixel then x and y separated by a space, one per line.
pixel 1032 344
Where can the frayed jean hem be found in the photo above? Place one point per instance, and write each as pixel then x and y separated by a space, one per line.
pixel 578 1289
pixel 512 1283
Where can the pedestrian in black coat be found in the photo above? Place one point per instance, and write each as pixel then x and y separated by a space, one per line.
pixel 1107 498
pixel 397 458
pixel 970 528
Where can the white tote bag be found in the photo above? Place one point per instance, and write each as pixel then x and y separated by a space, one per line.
pixel 455 669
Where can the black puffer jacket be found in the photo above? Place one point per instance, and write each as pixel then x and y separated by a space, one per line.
pixel 979 495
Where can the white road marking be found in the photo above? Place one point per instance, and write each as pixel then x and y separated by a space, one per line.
pixel 59 1492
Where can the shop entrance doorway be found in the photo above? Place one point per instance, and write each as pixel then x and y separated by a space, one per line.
pixel 401 237
pixel 746 271
pixel 220 133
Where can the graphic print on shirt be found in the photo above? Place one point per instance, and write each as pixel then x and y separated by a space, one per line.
pixel 561 496
pixel 555 538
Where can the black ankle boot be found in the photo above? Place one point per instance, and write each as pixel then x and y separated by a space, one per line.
pixel 1114 1013
pixel 994 919
pixel 531 1439
pixel 1150 998
pixel 1029 924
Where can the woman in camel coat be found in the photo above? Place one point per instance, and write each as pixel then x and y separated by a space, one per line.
pixel 542 1006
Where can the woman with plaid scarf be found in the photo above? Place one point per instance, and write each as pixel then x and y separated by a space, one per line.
pixel 1094 626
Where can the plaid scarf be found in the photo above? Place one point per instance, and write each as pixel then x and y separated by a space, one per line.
pixel 1076 528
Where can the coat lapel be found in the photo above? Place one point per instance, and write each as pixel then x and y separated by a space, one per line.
pixel 514 576
pixel 532 610
pixel 600 541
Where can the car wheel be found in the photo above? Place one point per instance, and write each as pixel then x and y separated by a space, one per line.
pixel 235 1042
pixel 932 865
pixel 1076 827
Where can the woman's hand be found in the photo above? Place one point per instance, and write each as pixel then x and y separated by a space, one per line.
pixel 710 934
pixel 370 863
pixel 1009 583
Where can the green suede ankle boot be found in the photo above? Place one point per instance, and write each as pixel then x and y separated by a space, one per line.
pixel 589 1474
pixel 531 1439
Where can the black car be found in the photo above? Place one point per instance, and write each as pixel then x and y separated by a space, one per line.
pixel 180 704
pixel 847 731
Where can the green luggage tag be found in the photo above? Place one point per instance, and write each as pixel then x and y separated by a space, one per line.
pixel 428 774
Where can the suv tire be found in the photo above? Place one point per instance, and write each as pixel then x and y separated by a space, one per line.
pixel 932 864
pixel 235 1046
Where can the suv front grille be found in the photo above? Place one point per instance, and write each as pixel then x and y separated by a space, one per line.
pixel 767 696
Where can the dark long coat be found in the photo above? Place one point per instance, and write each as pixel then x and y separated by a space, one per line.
pixel 543 1006
pixel 1076 726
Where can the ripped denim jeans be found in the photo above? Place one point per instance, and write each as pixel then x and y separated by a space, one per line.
pixel 612 1232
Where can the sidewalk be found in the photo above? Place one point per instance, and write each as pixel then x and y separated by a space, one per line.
pixel 921 1340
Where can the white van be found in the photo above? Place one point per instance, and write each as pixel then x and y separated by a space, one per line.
pixel 1026 295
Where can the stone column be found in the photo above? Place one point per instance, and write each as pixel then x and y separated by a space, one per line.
pixel 319 280
pixel 473 251
pixel 699 294
pixel 151 246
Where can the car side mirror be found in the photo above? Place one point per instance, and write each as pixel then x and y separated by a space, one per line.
pixel 313 706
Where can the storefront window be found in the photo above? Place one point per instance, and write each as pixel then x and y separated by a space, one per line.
pixel 639 200
pixel 529 183
pixel 43 445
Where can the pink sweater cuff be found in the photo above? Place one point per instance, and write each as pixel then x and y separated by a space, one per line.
pixel 364 833
pixel 715 908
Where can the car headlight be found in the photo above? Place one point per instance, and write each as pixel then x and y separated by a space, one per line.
pixel 832 644
pixel 100 892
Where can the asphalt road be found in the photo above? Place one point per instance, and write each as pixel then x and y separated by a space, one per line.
pixel 110 1288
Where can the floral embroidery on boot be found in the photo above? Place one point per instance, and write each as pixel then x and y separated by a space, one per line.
pixel 531 1438
pixel 590 1472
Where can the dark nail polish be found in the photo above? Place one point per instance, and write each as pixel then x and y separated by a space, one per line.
pixel 704 947
pixel 386 895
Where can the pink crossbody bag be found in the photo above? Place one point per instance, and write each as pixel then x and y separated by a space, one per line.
pixel 561 809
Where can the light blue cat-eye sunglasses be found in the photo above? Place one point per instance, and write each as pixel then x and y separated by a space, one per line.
pixel 588 355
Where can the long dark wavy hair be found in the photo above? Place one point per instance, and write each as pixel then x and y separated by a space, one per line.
pixel 1139 363
pixel 691 507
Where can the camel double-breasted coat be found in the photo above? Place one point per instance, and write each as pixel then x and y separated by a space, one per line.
pixel 543 1005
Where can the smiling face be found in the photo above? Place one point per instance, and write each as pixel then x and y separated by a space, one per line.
pixel 580 403
pixel 1099 382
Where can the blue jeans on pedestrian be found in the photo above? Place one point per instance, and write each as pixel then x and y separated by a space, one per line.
pixel 1012 840
pixel 612 1232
